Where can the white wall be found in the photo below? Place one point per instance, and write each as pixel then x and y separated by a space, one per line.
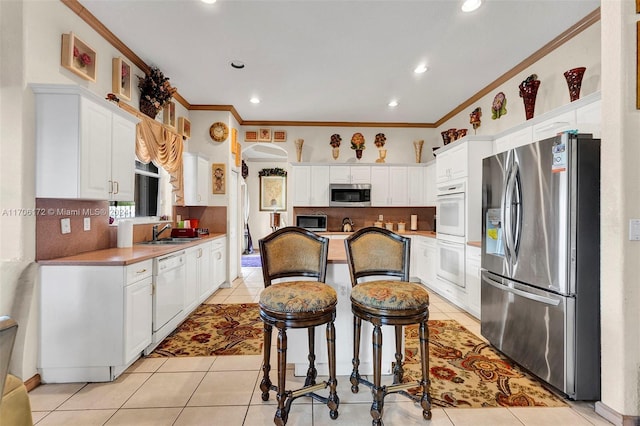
pixel 620 202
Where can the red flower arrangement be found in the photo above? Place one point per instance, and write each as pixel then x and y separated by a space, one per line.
pixel 83 58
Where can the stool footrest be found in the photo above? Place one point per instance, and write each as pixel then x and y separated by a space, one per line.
pixel 308 389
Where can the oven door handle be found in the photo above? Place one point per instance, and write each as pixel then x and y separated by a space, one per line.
pixel 448 244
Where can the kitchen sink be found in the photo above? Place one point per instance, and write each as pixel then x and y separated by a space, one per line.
pixel 166 241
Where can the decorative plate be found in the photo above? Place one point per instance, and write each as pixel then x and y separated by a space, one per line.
pixel 219 131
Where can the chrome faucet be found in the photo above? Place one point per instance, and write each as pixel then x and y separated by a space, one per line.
pixel 156 233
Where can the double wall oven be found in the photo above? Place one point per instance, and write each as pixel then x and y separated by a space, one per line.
pixel 451 234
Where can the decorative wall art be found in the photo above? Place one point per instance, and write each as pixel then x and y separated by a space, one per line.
pixel 184 127
pixel 499 106
pixel 528 93
pixel 273 189
pixel 474 118
pixel 219 131
pixel 121 78
pixel 264 135
pixel 78 57
pixel 279 136
pixel 218 172
pixel 251 136
pixel 169 114
pixel 273 193
pixel 335 145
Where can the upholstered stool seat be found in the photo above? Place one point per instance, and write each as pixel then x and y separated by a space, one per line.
pixel 15 408
pixel 294 266
pixel 392 295
pixel 374 254
pixel 298 296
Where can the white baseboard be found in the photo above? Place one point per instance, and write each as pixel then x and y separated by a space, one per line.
pixel 615 417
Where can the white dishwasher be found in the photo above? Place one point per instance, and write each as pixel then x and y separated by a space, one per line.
pixel 169 275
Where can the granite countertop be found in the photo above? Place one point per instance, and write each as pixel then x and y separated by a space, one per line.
pixel 126 256
pixel 475 243
pixel 431 234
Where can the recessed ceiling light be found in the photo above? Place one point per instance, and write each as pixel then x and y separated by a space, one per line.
pixel 420 69
pixel 471 5
pixel 237 64
pixel 254 100
pixel 393 103
pixel 208 1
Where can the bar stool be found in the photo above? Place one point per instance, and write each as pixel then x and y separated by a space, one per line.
pixel 287 254
pixel 378 252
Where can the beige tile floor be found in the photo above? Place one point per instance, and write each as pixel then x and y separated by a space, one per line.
pixel 225 391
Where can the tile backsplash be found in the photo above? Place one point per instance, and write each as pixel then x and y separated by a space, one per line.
pixel 51 243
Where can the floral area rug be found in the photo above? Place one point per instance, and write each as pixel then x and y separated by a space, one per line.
pixel 464 370
pixel 229 329
pixel 467 372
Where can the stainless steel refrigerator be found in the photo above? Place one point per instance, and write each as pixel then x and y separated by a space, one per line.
pixel 541 260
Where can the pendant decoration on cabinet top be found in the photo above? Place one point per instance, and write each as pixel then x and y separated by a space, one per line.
pixel 417 146
pixel 357 143
pixel 155 92
pixel 335 145
pixel 528 92
pixel 299 143
pixel 379 142
pixel 574 82
pixel 474 118
pixel 499 106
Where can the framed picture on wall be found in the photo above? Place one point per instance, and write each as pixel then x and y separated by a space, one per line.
pixel 184 127
pixel 121 78
pixel 273 193
pixel 264 135
pixel 169 114
pixel 279 136
pixel 219 177
pixel 78 57
pixel 251 136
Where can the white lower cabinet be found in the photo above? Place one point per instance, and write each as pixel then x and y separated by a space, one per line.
pixel 218 262
pixel 94 320
pixel 472 280
pixel 198 273
pixel 426 259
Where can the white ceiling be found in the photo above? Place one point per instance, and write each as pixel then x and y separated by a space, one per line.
pixel 335 60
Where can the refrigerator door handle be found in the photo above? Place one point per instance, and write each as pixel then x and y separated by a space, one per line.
pixel 508 215
pixel 526 295
pixel 516 231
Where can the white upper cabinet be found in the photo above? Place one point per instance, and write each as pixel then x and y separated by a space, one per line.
pixel 85 146
pixel 196 179
pixel 415 186
pixel 430 187
pixel 554 125
pixel 589 117
pixel 349 174
pixel 389 186
pixel 310 186
pixel 518 138
pixel 452 164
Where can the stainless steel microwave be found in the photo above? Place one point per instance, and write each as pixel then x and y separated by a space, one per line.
pixel 312 222
pixel 350 195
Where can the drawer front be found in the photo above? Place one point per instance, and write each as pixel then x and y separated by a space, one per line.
pixel 138 271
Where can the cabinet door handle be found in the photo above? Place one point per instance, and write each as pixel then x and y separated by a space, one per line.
pixel 110 187
pixel 141 271
pixel 116 186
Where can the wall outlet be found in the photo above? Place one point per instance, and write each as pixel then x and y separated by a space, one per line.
pixel 65 225
pixel 87 224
